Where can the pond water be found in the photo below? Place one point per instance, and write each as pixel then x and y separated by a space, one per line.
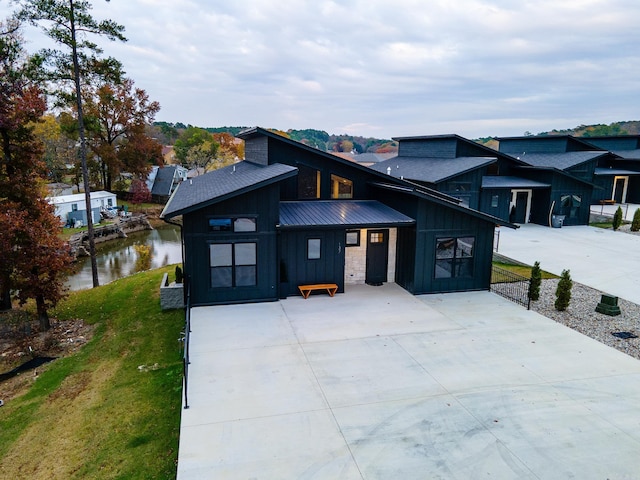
pixel 117 258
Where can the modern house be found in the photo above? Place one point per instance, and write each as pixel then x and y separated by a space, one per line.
pixel 72 208
pixel 620 176
pixel 290 215
pixel 530 179
pixel 570 166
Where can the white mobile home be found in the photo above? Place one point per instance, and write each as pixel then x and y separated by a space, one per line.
pixel 72 208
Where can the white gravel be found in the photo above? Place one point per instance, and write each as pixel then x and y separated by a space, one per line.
pixel 582 316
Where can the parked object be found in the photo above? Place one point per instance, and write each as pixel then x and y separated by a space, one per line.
pixel 608 305
pixel 557 221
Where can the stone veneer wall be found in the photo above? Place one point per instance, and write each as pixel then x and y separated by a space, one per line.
pixel 355 259
pixel 171 294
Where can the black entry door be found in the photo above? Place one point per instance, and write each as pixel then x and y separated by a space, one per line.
pixel 521 207
pixel 619 190
pixel 377 256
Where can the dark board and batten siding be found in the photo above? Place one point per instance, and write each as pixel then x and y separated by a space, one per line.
pixel 261 204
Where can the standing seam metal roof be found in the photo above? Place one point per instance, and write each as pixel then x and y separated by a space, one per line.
pixel 343 213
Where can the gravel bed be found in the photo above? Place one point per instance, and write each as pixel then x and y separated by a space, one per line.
pixel 582 317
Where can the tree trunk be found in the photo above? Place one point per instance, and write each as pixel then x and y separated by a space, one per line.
pixel 43 316
pixel 83 147
pixel 5 297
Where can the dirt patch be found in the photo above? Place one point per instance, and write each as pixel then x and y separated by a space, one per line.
pixel 22 340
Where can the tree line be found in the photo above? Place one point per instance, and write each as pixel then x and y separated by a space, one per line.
pixel 61 106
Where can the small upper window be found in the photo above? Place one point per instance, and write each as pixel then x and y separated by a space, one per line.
pixel 353 238
pixel 74 207
pixel 240 224
pixel 220 224
pixel 494 201
pixel 341 187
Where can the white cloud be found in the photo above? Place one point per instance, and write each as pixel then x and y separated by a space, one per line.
pixel 473 67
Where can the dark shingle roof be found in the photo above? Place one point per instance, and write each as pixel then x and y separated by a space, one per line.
pixel 347 213
pixel 490 181
pixel 219 184
pixel 163 181
pixel 561 161
pixel 628 154
pixel 432 170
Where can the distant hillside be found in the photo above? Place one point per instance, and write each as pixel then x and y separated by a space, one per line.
pixel 631 127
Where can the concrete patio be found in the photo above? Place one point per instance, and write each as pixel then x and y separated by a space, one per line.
pixel 378 384
pixel 603 259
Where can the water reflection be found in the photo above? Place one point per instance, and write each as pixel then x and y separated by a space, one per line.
pixel 117 258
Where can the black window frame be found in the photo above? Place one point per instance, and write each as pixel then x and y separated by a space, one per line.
pixel 352 244
pixel 234 267
pixel 451 257
pixel 231 223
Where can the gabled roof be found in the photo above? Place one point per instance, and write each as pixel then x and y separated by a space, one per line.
pixel 261 132
pixel 628 154
pixel 432 170
pixel 164 180
pixel 344 213
pixel 418 191
pixel 218 185
pixel 561 161
pixel 382 178
pixel 495 181
pixel 541 143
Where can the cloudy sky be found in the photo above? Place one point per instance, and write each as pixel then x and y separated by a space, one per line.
pixel 382 68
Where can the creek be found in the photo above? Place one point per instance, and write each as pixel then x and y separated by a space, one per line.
pixel 117 258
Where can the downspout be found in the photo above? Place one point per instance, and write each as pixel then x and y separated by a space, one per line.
pixel 553 204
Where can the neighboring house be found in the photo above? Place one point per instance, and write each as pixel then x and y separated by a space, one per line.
pixel 72 208
pixel 480 177
pixel 163 181
pixel 290 215
pixel 619 177
pixel 569 166
pixel 366 159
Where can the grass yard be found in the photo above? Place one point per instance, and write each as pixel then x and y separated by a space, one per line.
pixel 523 270
pixel 111 410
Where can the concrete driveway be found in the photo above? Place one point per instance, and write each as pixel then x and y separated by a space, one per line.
pixel 378 384
pixel 602 259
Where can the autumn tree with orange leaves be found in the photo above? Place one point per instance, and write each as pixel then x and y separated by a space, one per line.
pixel 33 256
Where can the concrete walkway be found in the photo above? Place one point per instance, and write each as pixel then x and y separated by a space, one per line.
pixel 378 384
pixel 602 259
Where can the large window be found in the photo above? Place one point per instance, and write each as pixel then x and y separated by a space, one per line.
pixel 570 205
pixel 454 257
pixel 308 183
pixel 341 187
pixel 233 264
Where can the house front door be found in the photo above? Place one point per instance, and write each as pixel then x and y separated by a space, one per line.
pixel 620 189
pixel 377 256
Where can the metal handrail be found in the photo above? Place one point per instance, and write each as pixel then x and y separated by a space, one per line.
pixel 185 345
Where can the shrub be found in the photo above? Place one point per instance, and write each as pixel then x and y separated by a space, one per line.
pixel 617 219
pixel 635 224
pixel 563 291
pixel 179 275
pixel 536 280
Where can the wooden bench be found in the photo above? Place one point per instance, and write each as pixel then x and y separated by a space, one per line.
pixel 331 289
pixel 607 202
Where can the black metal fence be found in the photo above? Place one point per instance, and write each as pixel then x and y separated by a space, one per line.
pixel 511 286
pixel 185 346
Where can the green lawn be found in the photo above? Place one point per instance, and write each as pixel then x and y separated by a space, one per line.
pixel 96 414
pixel 523 270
